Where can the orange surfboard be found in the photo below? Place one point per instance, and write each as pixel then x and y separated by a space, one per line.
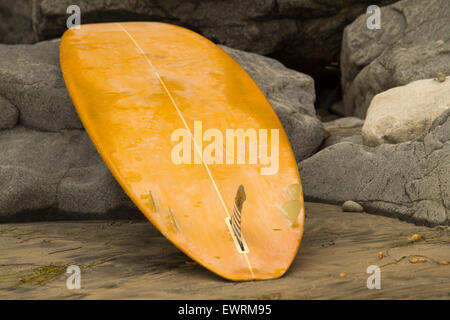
pixel 193 142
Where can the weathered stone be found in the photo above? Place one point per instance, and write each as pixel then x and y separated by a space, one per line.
pixel 9 116
pixel 404 113
pixel 31 79
pixel 412 44
pixel 91 190
pixel 409 180
pixel 54 171
pixel 303 33
pixel 352 206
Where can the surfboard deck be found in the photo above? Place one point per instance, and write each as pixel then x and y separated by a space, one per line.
pixel 154 96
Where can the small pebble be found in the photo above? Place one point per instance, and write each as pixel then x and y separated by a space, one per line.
pixel 380 255
pixel 444 263
pixel 343 275
pixel 352 206
pixel 440 77
pixel 415 237
pixel 417 260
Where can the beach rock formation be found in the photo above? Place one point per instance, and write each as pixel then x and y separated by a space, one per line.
pixel 53 173
pixel 403 113
pixel 412 44
pixel 409 180
pixel 9 115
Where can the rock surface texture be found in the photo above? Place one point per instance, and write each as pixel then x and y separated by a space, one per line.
pixel 31 80
pixel 409 180
pixel 352 206
pixel 60 171
pixel 297 31
pixel 412 44
pixel 403 113
pixel 9 115
pixel 47 161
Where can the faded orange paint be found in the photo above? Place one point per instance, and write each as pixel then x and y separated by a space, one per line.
pixel 133 84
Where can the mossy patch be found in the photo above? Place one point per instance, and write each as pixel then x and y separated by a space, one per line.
pixel 15 232
pixel 43 274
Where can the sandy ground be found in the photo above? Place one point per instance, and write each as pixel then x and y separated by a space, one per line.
pixel 126 259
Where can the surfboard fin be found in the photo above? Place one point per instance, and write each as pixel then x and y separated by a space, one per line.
pixel 174 220
pixel 236 216
pixel 152 202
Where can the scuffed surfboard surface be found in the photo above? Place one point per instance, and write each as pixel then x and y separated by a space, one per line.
pixel 133 85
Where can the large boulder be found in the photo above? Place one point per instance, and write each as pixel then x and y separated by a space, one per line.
pixel 48 166
pixel 412 44
pixel 409 180
pixel 55 172
pixel 31 80
pixel 16 21
pixel 9 115
pixel 301 32
pixel 404 113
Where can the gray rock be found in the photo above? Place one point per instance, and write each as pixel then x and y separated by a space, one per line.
pixel 352 206
pixel 9 115
pixel 292 96
pixel 404 113
pixel 409 180
pixel 412 44
pixel 16 22
pixel 54 171
pixel 31 79
pixel 301 32
pixel 92 189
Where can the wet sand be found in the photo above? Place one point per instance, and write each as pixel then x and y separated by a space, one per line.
pixel 129 259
